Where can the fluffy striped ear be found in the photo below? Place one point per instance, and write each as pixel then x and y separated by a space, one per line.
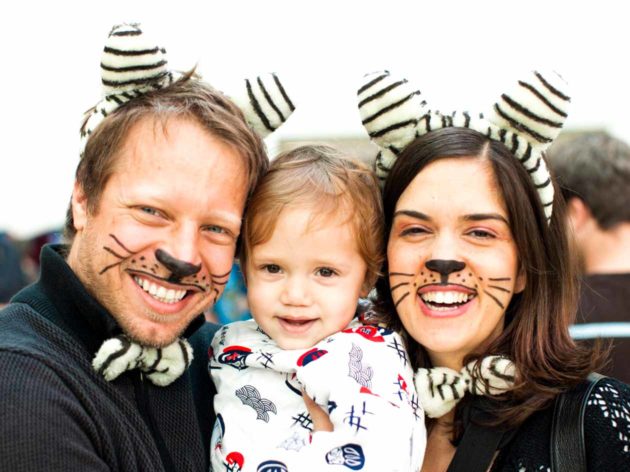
pixel 265 103
pixel 390 109
pixel 132 61
pixel 131 65
pixel 530 117
pixel 535 109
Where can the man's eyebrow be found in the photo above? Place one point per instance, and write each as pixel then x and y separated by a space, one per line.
pixel 227 217
pixel 485 216
pixel 413 214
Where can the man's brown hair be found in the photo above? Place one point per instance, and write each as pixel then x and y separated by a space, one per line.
pixel 188 97
pixel 322 178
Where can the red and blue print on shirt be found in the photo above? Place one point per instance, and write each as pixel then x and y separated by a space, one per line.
pixel 370 332
pixel 310 356
pixel 235 356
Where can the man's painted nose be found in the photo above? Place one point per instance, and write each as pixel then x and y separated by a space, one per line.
pixel 179 269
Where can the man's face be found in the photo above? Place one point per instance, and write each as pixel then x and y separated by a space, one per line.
pixel 159 248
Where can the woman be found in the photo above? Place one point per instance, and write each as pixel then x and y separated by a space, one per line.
pixel 479 268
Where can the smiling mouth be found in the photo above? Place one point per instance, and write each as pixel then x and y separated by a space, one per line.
pixel 159 292
pixel 298 324
pixel 446 300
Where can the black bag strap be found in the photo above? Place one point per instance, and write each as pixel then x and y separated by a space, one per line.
pixel 568 450
pixel 476 449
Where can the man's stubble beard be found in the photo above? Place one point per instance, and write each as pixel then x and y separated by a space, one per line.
pixel 96 285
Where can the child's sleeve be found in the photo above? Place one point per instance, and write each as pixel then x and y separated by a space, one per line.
pixel 362 377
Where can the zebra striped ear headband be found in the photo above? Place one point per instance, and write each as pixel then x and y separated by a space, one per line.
pixel 526 120
pixel 133 65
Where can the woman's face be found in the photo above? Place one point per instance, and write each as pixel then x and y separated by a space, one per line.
pixel 453 264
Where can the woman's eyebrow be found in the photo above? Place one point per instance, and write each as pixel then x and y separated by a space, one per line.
pixel 413 214
pixel 485 216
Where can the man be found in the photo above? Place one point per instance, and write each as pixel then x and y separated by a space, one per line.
pixel 152 226
pixel 594 172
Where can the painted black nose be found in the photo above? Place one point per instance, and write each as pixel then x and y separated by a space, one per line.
pixel 179 269
pixel 444 267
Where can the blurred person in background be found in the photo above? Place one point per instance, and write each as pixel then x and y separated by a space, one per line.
pixel 12 277
pixel 593 169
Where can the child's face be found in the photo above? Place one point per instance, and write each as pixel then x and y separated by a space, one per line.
pixel 303 283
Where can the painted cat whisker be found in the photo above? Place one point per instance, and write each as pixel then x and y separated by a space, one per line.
pixel 216 295
pixel 495 299
pixel 112 252
pixel 401 299
pixel 393 274
pixel 111 266
pixel 500 288
pixel 399 285
pixel 500 279
pixel 121 244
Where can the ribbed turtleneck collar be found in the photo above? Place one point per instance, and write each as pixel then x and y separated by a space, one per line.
pixel 75 309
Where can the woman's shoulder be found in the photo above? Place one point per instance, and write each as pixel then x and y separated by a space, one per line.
pixel 607 425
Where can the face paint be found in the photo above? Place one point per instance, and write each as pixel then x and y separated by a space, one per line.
pixel 499 289
pixel 454 264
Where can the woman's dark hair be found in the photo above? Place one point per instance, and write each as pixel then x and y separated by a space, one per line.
pixel 536 335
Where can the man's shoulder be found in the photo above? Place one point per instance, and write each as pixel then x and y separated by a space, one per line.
pixel 19 324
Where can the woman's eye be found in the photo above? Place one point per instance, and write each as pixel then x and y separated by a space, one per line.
pixel 413 231
pixel 326 272
pixel 272 268
pixel 480 233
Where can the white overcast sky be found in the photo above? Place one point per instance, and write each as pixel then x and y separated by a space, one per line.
pixel 462 54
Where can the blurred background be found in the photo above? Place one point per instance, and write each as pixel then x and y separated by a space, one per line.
pixel 460 54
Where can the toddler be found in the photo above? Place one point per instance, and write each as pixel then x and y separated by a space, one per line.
pixel 312 245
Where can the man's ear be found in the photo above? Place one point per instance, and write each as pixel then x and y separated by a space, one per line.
pixel 79 207
pixel 578 213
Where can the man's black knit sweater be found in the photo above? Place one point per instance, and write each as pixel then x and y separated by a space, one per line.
pixel 57 413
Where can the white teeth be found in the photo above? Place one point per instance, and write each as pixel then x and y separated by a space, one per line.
pixel 446 298
pixel 160 293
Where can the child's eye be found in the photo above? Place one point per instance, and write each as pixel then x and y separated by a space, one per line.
pixel 326 272
pixel 271 268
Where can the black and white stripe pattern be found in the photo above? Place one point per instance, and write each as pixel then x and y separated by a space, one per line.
pixel 132 65
pixel 265 103
pixel 440 388
pixel 526 120
pixel 162 366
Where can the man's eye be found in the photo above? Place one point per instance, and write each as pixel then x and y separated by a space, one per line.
pixel 326 272
pixel 272 268
pixel 215 229
pixel 150 211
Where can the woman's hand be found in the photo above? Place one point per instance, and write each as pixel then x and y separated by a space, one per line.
pixel 321 420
